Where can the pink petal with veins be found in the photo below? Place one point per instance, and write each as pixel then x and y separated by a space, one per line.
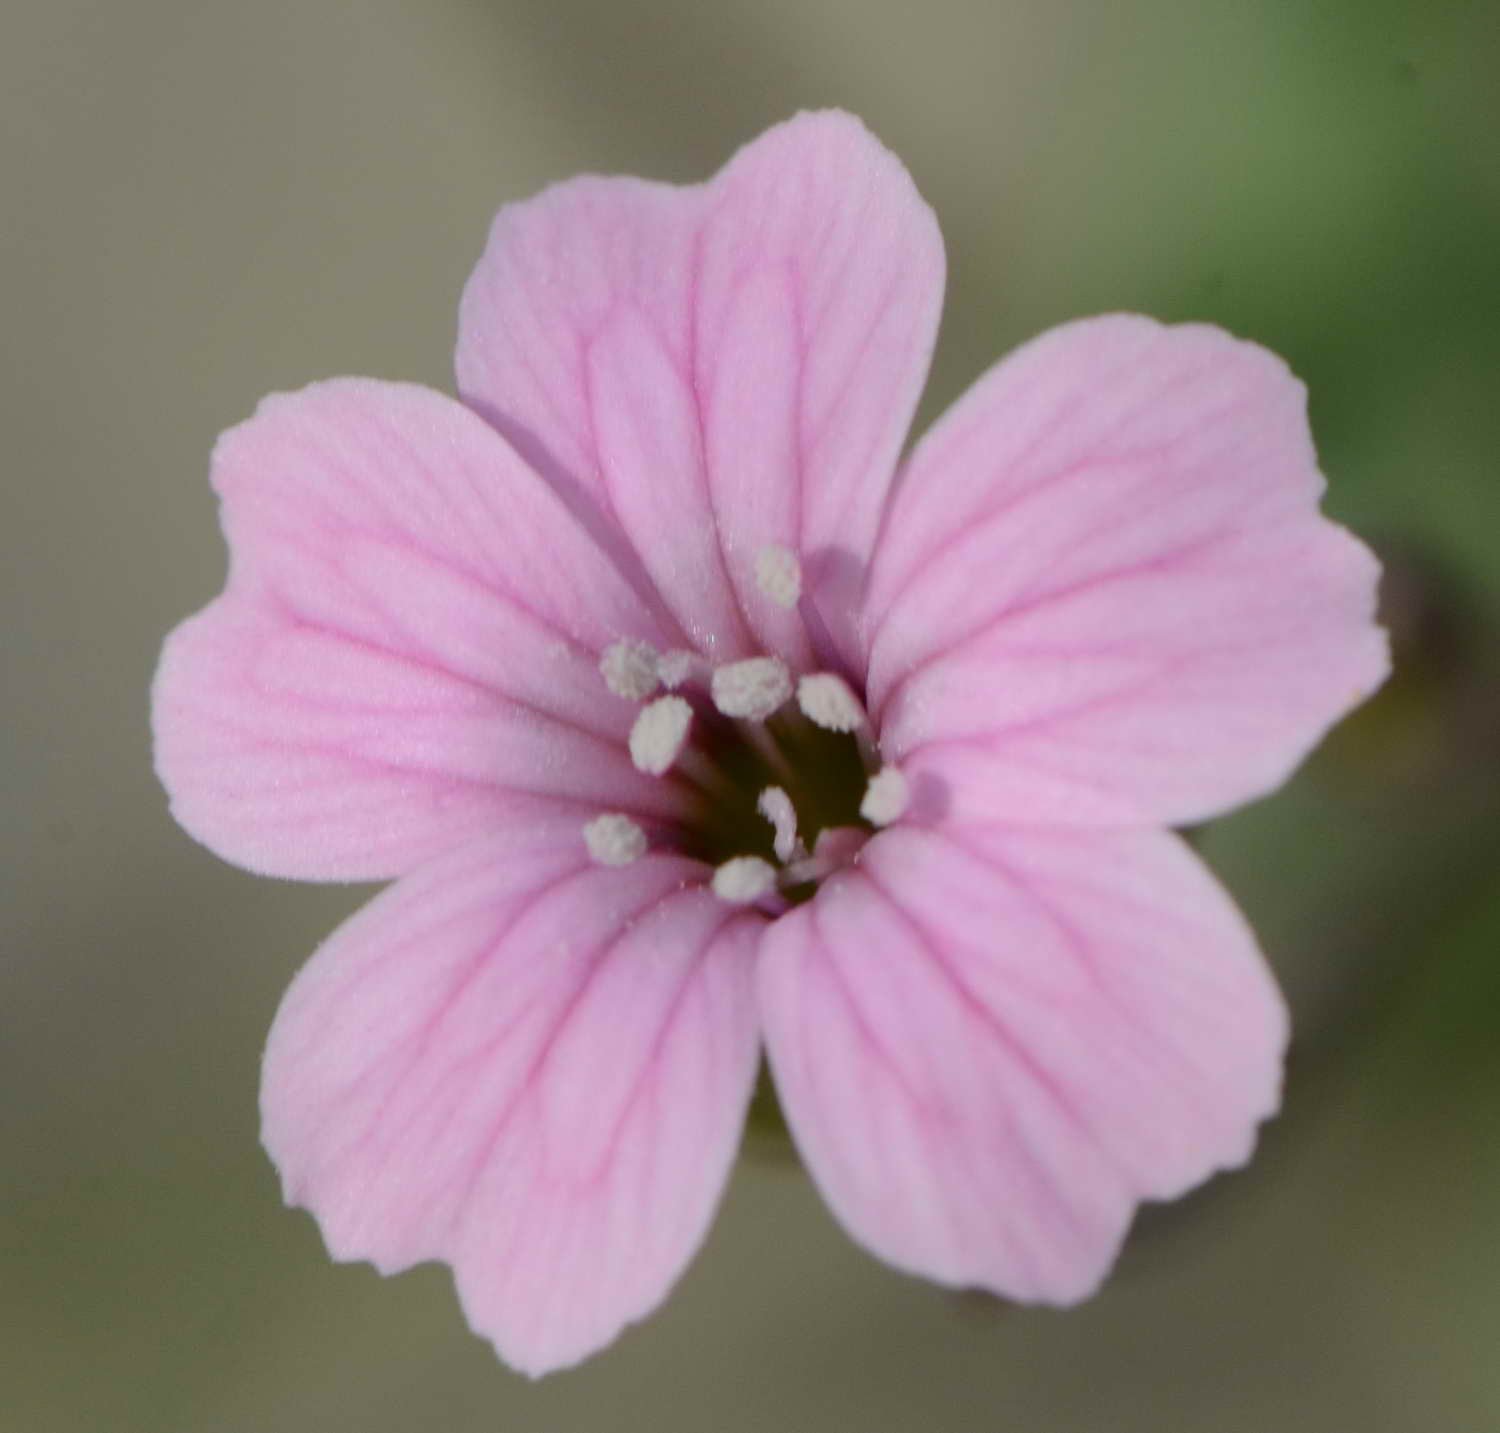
pixel 404 656
pixel 1165 625
pixel 991 1044
pixel 529 1067
pixel 721 367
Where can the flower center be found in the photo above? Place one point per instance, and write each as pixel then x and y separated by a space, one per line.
pixel 779 779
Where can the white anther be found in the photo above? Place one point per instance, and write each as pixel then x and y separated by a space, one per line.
pixel 753 688
pixel 629 669
pixel 674 667
pixel 658 734
pixel 776 806
pixel 885 797
pixel 743 879
pixel 614 840
pixel 827 700
pixel 779 574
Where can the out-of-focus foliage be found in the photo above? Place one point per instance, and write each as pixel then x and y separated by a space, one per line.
pixel 207 202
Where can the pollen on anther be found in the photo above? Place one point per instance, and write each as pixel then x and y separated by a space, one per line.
pixel 658 734
pixel 827 700
pixel 779 575
pixel 885 797
pixel 753 688
pixel 776 806
pixel 614 840
pixel 630 669
pixel 674 667
pixel 743 879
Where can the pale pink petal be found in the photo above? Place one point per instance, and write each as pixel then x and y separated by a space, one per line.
pixel 530 1067
pixel 992 1044
pixel 718 368
pixel 1104 592
pixel 406 652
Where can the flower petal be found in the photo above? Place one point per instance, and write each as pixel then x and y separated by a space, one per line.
pixel 718 368
pixel 533 1068
pixel 406 651
pixel 991 1044
pixel 1165 625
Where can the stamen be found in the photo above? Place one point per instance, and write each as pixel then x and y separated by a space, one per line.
pixel 827 700
pixel 885 797
pixel 753 688
pixel 675 667
pixel 779 575
pixel 658 734
pixel 614 840
pixel 743 879
pixel 776 806
pixel 630 669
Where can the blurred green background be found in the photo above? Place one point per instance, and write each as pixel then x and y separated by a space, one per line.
pixel 205 201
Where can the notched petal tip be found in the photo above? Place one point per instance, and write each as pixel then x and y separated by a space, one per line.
pixel 1167 623
pixel 1087 1010
pixel 404 654
pixel 805 280
pixel 530 1068
pixel 247 801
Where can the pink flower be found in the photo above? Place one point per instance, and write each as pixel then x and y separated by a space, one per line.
pixel 684 725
